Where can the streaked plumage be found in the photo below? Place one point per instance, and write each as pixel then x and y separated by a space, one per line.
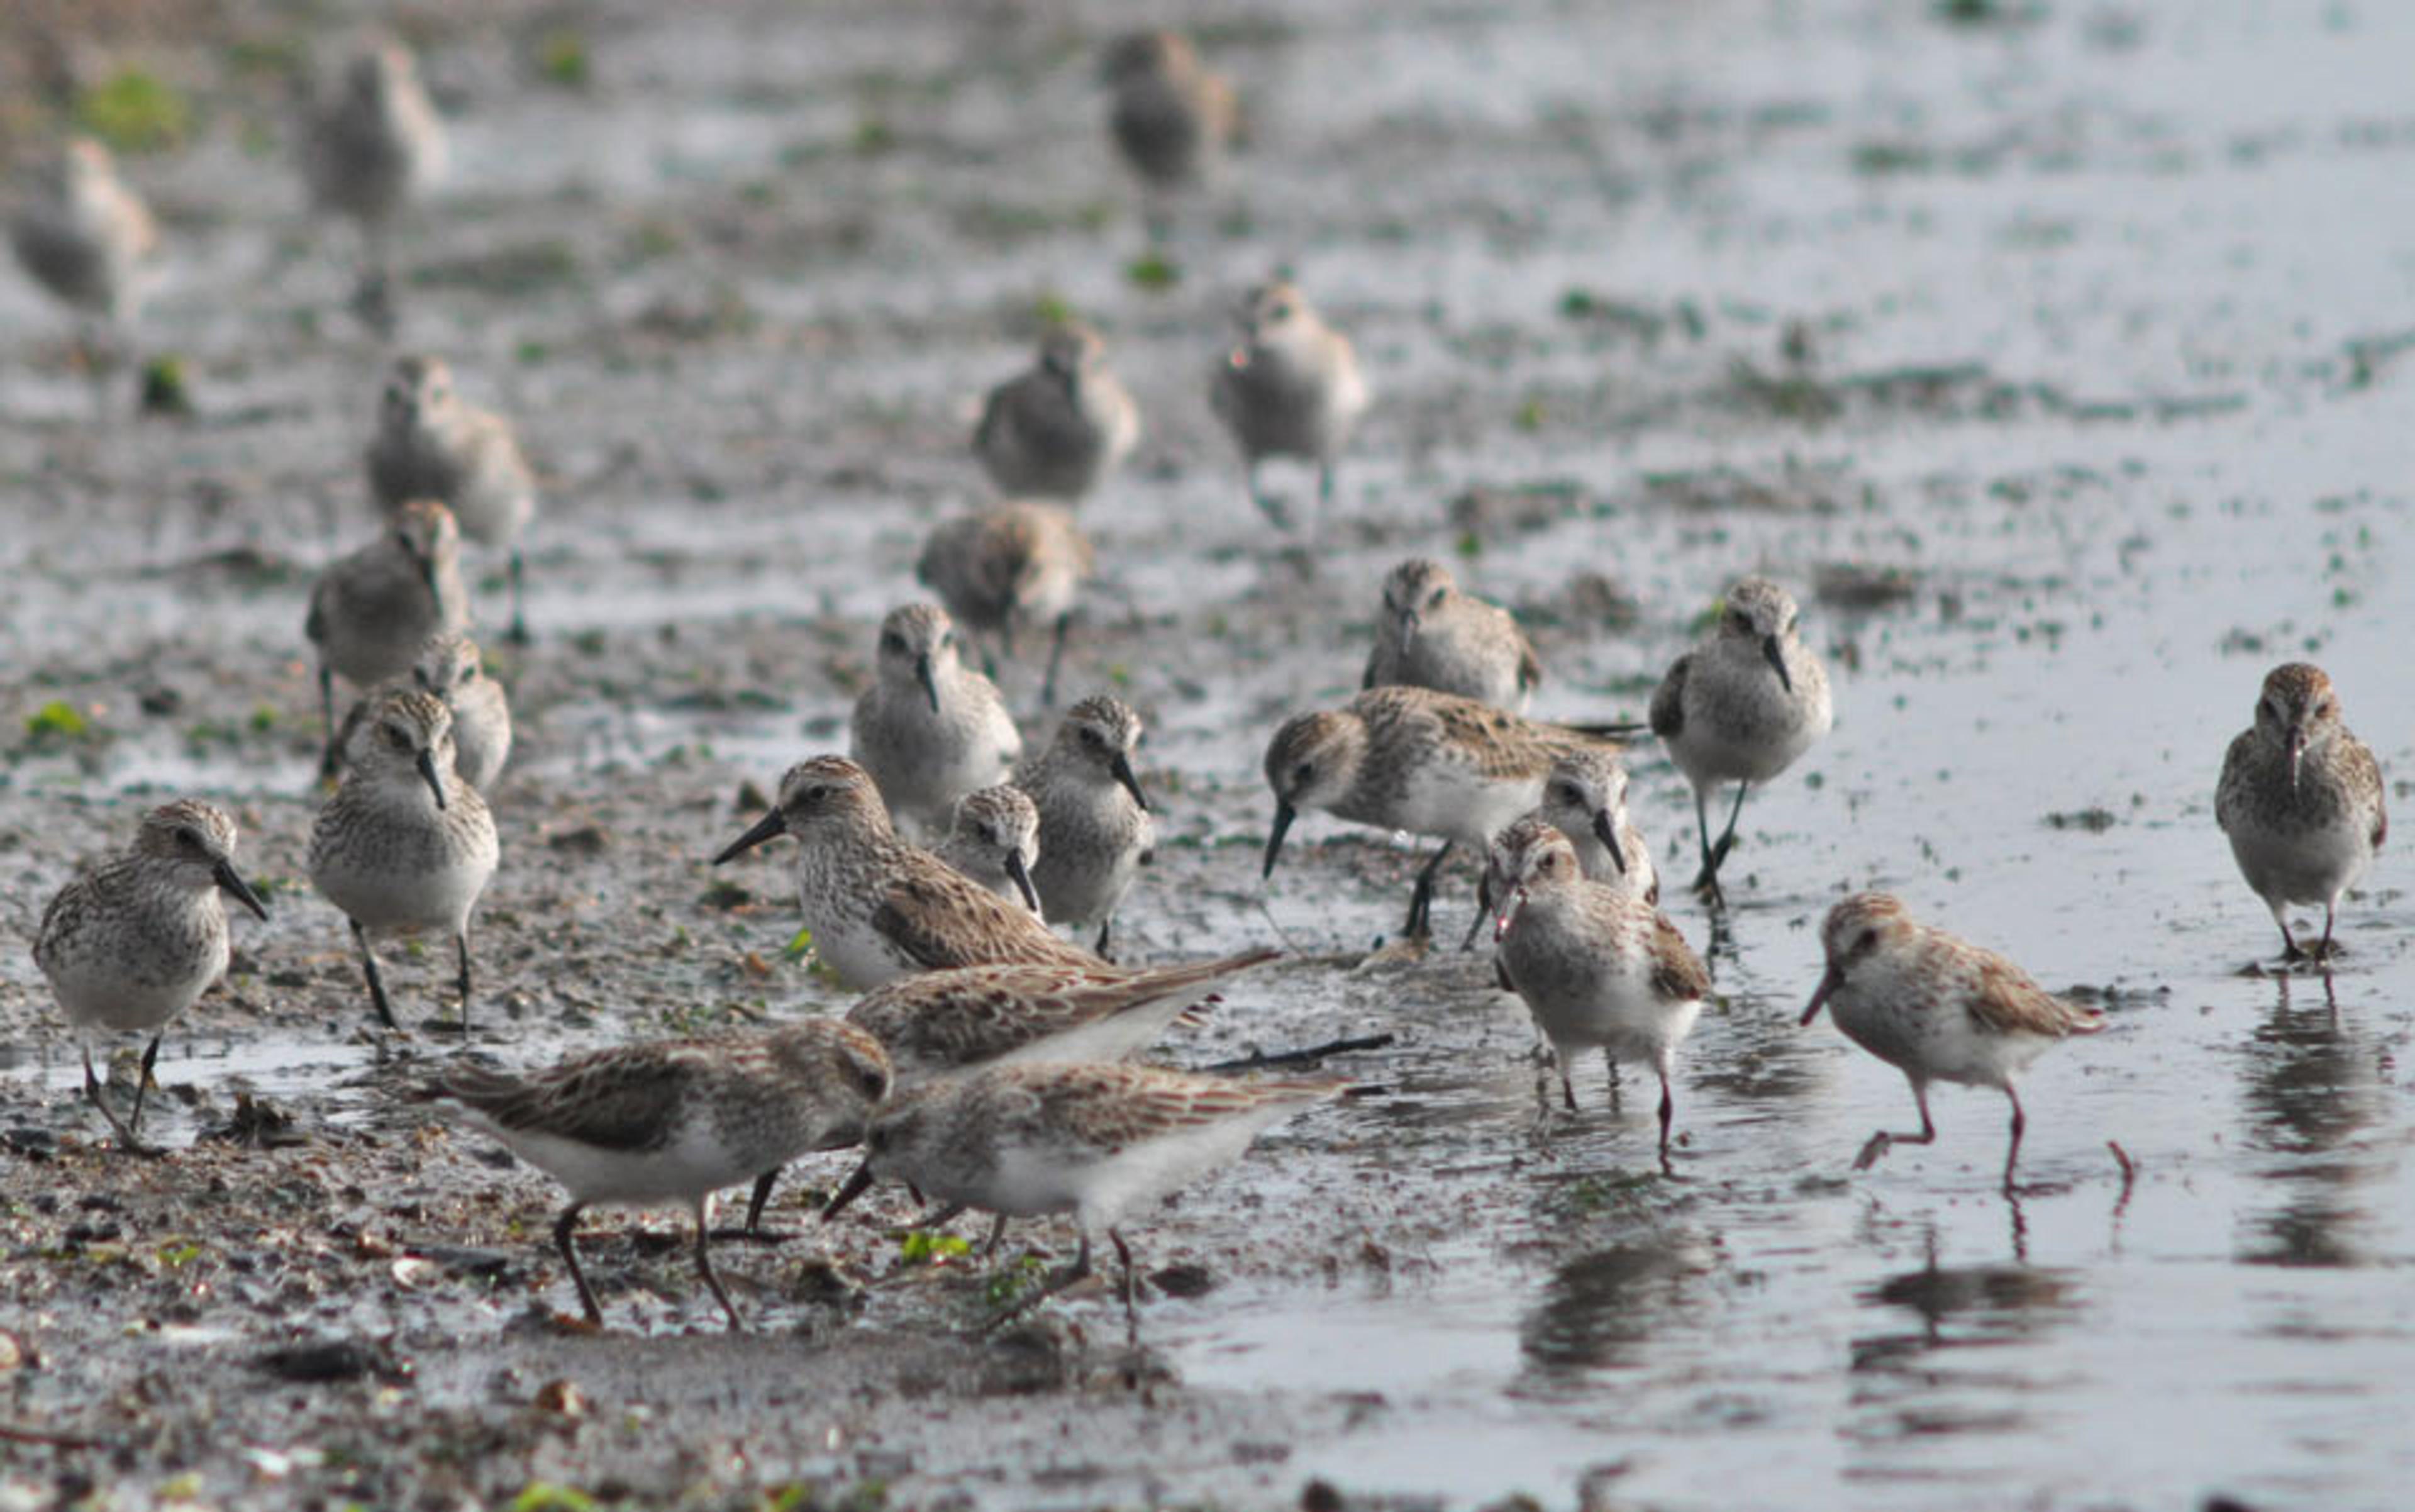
pixel 1937 1009
pixel 1596 965
pixel 1410 759
pixel 2302 800
pixel 993 840
pixel 1432 635
pixel 1741 707
pixel 677 1120
pixel 929 729
pixel 879 908
pixel 1096 1141
pixel 450 666
pixel 133 942
pixel 405 845
pixel 1096 831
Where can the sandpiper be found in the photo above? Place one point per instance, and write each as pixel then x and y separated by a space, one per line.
pixel 1291 388
pixel 404 844
pixel 1170 116
pixel 1585 798
pixel 88 239
pixel 939 1022
pixel 431 446
pixel 676 1121
pixel 1432 635
pixel 1098 1141
pixel 1740 707
pixel 450 666
pixel 993 840
pixel 371 612
pixel 1596 965
pixel 878 907
pixel 1410 759
pixel 1095 828
pixel 133 942
pixel 930 729
pixel 1937 1009
pixel 366 153
pixel 1007 566
pixel 1054 431
pixel 2301 799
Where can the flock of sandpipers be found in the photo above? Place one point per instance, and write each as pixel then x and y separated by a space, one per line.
pixel 990 1067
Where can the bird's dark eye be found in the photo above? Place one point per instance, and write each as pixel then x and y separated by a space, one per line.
pixel 400 740
pixel 191 840
pixel 874 1081
pixel 1791 620
pixel 877 1139
pixel 1435 597
pixel 947 639
pixel 470 672
pixel 893 643
pixel 1869 941
pixel 1282 310
pixel 1301 773
pixel 1091 736
pixel 1566 793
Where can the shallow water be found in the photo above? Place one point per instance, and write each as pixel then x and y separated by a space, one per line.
pixel 2103 310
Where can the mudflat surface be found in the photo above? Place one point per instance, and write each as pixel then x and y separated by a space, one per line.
pixel 2055 358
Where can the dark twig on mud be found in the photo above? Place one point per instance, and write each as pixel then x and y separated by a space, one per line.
pixel 12 1433
pixel 2129 1174
pixel 1258 1058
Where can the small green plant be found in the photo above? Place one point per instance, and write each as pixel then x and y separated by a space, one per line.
pixel 552 1496
pixel 57 720
pixel 133 110
pixel 1152 271
pixel 924 1247
pixel 1052 309
pixel 1006 1287
pixel 800 946
pixel 561 58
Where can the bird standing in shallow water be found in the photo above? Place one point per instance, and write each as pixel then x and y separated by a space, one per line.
pixel 1937 1009
pixel 2301 799
pixel 133 943
pixel 1741 707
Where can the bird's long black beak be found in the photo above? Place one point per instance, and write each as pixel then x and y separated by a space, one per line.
pixel 1829 981
pixel 1605 828
pixel 1776 658
pixel 1022 875
pixel 1122 768
pixel 1285 814
pixel 854 1187
pixel 231 882
pixel 433 778
pixel 930 684
pixel 773 823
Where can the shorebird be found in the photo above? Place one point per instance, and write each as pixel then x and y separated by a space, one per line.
pixel 1096 831
pixel 1008 566
pixel 449 666
pixel 1741 707
pixel 1937 1009
pixel 431 446
pixel 930 729
pixel 1171 118
pixel 993 840
pixel 676 1121
pixel 2301 799
pixel 1291 388
pixel 133 943
pixel 91 242
pixel 1054 430
pixel 368 151
pixel 1432 635
pixel 371 612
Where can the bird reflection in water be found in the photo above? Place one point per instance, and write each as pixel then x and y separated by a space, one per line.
pixel 1602 1309
pixel 2313 1087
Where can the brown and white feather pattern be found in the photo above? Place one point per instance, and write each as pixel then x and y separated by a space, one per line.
pixel 944 1021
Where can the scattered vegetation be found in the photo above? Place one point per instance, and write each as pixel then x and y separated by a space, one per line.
pixel 135 111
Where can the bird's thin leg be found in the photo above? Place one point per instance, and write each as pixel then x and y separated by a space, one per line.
pixel 1055 658
pixel 2013 1152
pixel 997 1236
pixel 1132 1312
pixel 1881 1141
pixel 1611 1062
pixel 92 1089
pixel 1324 483
pixel 461 946
pixel 1568 1090
pixel 1706 881
pixel 333 757
pixel 1667 1113
pixel 1099 949
pixel 1420 923
pixel 704 1262
pixel 1483 908
pixel 142 1083
pixel 518 635
pixel 2323 952
pixel 377 985
pixel 758 1199
pixel 561 1227
pixel 1726 836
